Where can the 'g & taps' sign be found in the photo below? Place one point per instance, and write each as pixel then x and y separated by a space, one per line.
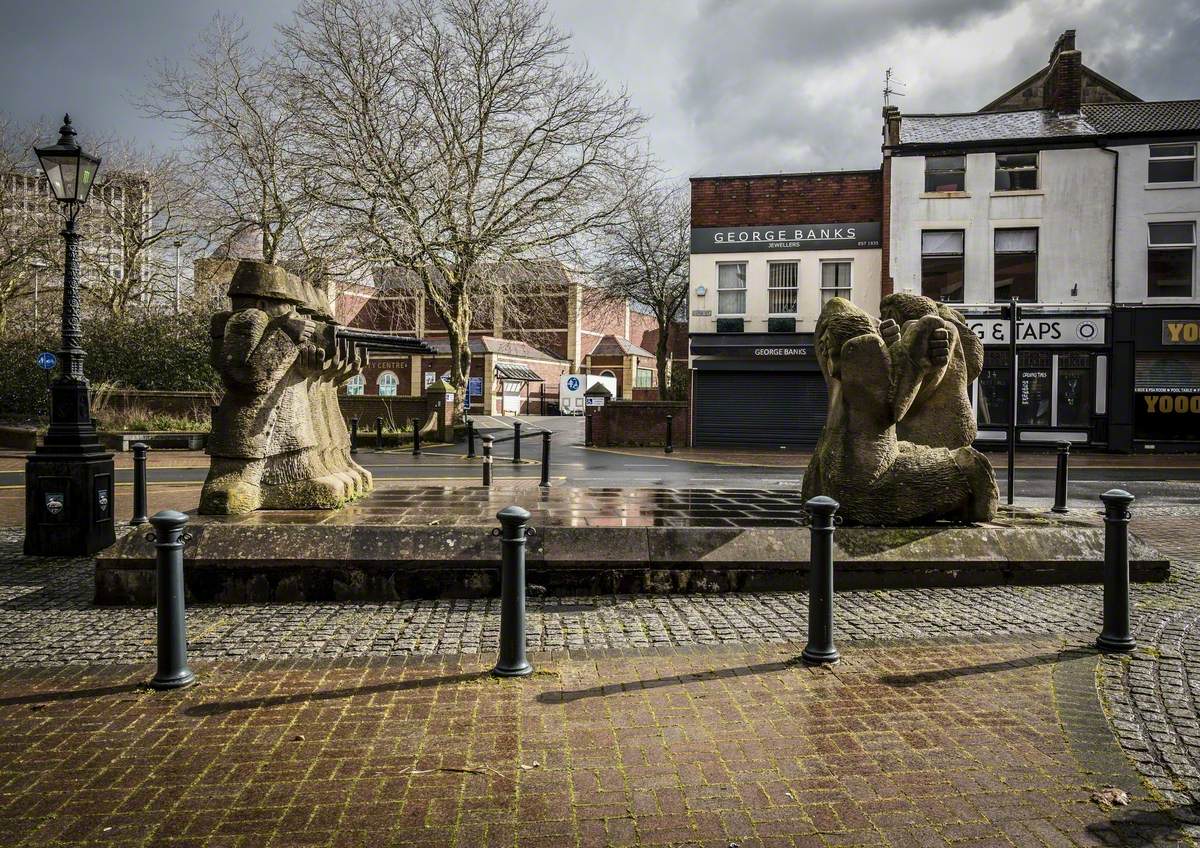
pixel 1041 331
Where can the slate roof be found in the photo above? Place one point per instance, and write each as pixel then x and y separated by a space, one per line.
pixel 500 347
pixel 1093 121
pixel 611 345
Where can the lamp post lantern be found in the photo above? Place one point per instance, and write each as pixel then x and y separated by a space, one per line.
pixel 69 499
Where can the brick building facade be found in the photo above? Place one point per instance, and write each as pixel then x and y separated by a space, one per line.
pixel 767 252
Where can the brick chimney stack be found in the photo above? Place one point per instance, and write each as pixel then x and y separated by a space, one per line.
pixel 1063 89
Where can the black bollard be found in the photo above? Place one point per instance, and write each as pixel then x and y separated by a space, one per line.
pixel 1116 636
pixel 416 436
pixel 168 536
pixel 1060 478
pixel 670 446
pixel 470 439
pixel 140 449
pixel 820 647
pixel 354 434
pixel 516 442
pixel 378 434
pixel 545 458
pixel 513 529
pixel 487 460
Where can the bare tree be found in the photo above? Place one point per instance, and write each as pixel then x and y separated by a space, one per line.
pixel 644 258
pixel 29 224
pixel 230 103
pixel 454 138
pixel 141 205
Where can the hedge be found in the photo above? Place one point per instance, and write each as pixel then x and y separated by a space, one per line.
pixel 163 352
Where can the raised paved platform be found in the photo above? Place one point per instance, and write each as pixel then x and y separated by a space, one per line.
pixel 433 542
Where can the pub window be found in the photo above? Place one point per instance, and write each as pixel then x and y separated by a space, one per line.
pixel 387 384
pixel 1172 163
pixel 835 281
pixel 782 286
pixel 1016 265
pixel 1170 259
pixel 1016 171
pixel 1034 396
pixel 731 288
pixel 942 265
pixel 945 173
pixel 1074 408
pixel 993 389
pixel 644 379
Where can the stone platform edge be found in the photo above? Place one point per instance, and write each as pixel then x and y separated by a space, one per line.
pixel 236 563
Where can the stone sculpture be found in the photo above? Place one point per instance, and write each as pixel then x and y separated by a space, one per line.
pixel 873 383
pixel 278 438
pixel 940 416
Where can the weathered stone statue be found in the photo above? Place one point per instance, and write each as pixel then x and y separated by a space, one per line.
pixel 278 439
pixel 859 461
pixel 940 415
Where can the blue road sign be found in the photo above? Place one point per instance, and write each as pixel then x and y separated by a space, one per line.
pixel 47 360
pixel 572 384
pixel 475 387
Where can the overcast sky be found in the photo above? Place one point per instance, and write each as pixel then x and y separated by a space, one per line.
pixel 733 86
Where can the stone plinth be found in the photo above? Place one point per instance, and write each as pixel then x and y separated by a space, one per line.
pixel 391 546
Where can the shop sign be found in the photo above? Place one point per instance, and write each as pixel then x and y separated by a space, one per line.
pixel 475 387
pixel 1176 332
pixel 1041 331
pixel 1171 404
pixel 786 237
pixel 701 313
pixel 780 352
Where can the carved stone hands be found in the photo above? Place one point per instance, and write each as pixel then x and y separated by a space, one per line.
pixel 890 331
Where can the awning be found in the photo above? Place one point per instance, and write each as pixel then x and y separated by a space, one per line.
pixel 509 371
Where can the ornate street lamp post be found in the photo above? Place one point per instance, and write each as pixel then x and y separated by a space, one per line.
pixel 69 479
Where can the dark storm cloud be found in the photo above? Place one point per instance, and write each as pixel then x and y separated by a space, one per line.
pixel 733 86
pixel 774 86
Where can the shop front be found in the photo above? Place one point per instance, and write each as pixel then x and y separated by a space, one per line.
pixel 756 390
pixel 1159 347
pixel 1062 376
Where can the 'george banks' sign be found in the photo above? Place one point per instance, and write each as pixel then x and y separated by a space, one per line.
pixel 786 237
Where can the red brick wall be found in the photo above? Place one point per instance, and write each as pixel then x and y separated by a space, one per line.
pixel 840 197
pixel 401 367
pixel 639 423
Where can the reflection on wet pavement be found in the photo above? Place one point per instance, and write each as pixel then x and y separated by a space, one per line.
pixel 452 506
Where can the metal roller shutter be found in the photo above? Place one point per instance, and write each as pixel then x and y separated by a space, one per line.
pixel 737 409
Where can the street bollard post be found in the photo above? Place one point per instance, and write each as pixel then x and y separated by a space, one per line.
pixel 354 434
pixel 140 449
pixel 545 458
pixel 487 460
pixel 169 538
pixel 512 532
pixel 669 447
pixel 470 439
pixel 1060 478
pixel 378 434
pixel 1115 635
pixel 820 648
pixel 516 442
pixel 416 422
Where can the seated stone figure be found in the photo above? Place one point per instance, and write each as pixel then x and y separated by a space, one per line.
pixel 940 415
pixel 270 438
pixel 859 462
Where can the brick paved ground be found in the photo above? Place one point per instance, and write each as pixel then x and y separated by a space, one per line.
pixel 953 744
pixel 1151 698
